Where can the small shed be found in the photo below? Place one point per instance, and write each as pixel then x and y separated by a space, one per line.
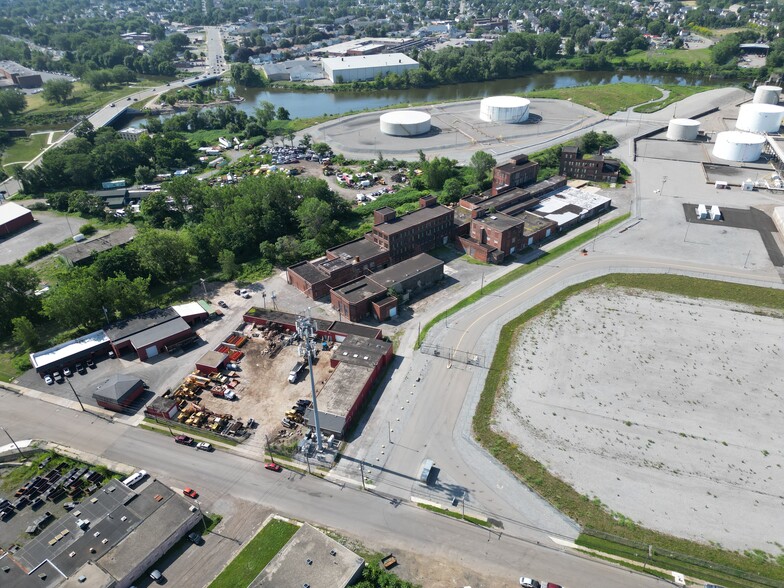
pixel 212 361
pixel 165 408
pixel 191 312
pixel 118 392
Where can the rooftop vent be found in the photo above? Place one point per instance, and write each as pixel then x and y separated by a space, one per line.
pixel 333 553
pixel 309 561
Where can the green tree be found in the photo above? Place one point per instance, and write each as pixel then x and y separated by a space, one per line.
pixel 76 301
pixel 316 222
pixel 124 297
pixel 115 261
pixel 166 255
pixel 155 209
pixel 453 191
pixel 57 91
pixel 438 171
pixel 17 286
pixel 85 130
pixel 144 174
pixel 98 79
pixel 228 264
pixel 24 333
pixel 482 163
pixel 11 102
pixel 282 113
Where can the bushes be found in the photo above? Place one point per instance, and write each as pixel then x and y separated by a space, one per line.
pixel 39 252
pixel 87 229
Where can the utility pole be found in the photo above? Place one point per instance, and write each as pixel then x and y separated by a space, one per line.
pixel 307 333
pixel 362 471
pixel 389 426
pixel 269 449
pixel 264 299
pixel 75 394
pixel 203 286
pixel 482 284
pixel 598 221
pixel 12 441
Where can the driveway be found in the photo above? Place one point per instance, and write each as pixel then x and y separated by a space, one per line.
pixel 48 228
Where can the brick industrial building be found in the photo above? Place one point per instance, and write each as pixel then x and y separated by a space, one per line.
pixel 595 168
pixel 19 75
pixel 518 172
pixel 392 240
pixel 14 217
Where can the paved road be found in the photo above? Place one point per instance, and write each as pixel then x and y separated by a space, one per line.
pixel 360 514
pixel 105 115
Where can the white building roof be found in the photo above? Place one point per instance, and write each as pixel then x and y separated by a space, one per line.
pixel 569 204
pixel 11 211
pixel 362 44
pixel 189 309
pixel 364 61
pixel 65 350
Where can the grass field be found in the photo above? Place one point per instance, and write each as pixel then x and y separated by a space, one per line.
pixel 677 93
pixel 256 554
pixel 24 150
pixel 589 513
pixel 687 56
pixel 608 99
pixel 7 370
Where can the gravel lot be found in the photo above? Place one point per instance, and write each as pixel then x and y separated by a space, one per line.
pixel 48 228
pixel 657 408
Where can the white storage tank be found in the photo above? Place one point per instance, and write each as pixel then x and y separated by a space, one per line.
pixel 767 94
pixel 738 146
pixel 504 109
pixel 760 118
pixel 405 123
pixel 683 129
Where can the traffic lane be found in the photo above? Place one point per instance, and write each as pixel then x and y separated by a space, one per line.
pixel 353 512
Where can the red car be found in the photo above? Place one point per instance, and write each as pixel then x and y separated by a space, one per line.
pixel 183 440
pixel 273 466
pixel 190 493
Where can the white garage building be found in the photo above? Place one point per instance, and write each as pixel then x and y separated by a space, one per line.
pixel 366 67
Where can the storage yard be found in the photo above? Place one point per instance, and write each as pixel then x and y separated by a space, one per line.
pixel 656 410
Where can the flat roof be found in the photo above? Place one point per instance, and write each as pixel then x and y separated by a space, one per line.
pixel 362 351
pixel 189 309
pixel 512 166
pixel 499 220
pixel 309 272
pixel 408 268
pixel 285 318
pixel 359 289
pixel 534 224
pixel 310 558
pixel 362 248
pixel 159 332
pixel 412 219
pixel 16 577
pixel 68 349
pixel 569 204
pixel 363 43
pixel 16 68
pixel 364 61
pixel 340 392
pixel 135 324
pixel 86 249
pixel 345 328
pixel 172 514
pixel 11 211
pixel 213 359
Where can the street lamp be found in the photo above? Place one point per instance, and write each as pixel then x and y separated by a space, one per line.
pixel 12 441
pixel 79 400
pixel 204 287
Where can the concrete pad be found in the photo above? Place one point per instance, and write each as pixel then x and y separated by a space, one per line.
pixel 649 403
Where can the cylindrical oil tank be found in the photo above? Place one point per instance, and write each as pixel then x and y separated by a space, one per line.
pixel 405 123
pixel 504 109
pixel 759 118
pixel 683 129
pixel 738 146
pixel 767 94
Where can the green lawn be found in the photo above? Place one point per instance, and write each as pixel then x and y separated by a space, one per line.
pixel 677 93
pixel 589 513
pixel 24 150
pixel 608 98
pixel 255 555
pixel 687 56
pixel 7 370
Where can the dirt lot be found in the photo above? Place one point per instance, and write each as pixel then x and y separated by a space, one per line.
pixel 265 393
pixel 666 409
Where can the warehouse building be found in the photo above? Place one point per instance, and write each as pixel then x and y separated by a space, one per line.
pixel 419 231
pixel 149 333
pixel 595 168
pixel 328 563
pixel 360 68
pixel 518 172
pixel 19 75
pixel 494 237
pixel 358 363
pixel 118 392
pixel 85 252
pixel 70 353
pixel 571 206
pixel 14 217
pixel 116 536
pixel 212 361
pixel 368 295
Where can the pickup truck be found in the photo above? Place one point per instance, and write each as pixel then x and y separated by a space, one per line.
pixel 223 393
pixel 295 371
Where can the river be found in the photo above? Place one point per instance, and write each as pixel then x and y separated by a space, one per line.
pixel 302 104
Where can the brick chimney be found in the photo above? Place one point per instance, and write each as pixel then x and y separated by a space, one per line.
pixel 427 201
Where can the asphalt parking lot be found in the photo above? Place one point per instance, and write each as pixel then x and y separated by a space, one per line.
pixel 48 228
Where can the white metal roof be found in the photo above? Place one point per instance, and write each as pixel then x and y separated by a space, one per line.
pixel 67 349
pixel 189 309
pixel 405 117
pixel 363 61
pixel 506 101
pixel 11 211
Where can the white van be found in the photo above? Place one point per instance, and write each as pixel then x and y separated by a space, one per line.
pixel 134 479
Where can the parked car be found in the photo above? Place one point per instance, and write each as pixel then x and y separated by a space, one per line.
pixel 204 446
pixel 530 583
pixel 183 440
pixel 191 493
pixel 288 423
pixel 48 379
pixel 67 371
pixel 195 538
pixel 80 368
pixel 273 466
pixel 553 585
pixel 155 574
pixel 222 304
pixel 91 363
pixel 58 377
